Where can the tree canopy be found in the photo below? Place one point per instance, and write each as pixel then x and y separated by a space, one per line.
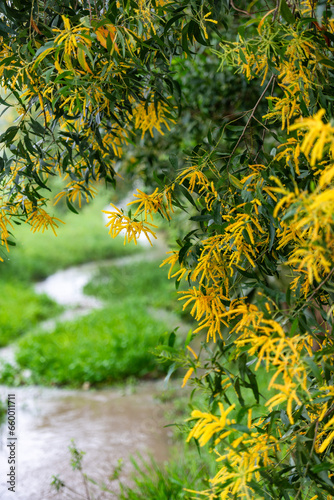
pixel 95 81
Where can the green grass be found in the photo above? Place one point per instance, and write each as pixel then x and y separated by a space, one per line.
pixel 187 470
pixel 21 309
pixel 82 238
pixel 145 280
pixel 105 346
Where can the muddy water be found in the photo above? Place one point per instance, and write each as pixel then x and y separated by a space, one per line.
pixel 107 424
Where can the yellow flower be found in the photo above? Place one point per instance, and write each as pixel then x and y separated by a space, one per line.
pixel 41 220
pixel 209 305
pixel 149 117
pixel 4 223
pixel 75 190
pixel 186 377
pixel 318 136
pixel 194 176
pixel 152 203
pixel 133 229
pixel 208 425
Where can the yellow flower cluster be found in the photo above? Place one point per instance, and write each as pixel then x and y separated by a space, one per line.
pixel 239 466
pixel 208 304
pixel 155 202
pixel 76 190
pixel 39 219
pixel 150 117
pixel 133 229
pixel 310 229
pixel 318 137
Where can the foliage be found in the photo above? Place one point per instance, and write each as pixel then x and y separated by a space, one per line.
pixel 12 376
pixel 82 80
pixel 37 255
pixel 21 309
pixel 258 191
pixel 105 346
pixel 157 482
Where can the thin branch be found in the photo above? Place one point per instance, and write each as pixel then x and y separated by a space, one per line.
pixel 321 284
pixel 90 10
pixel 262 124
pixel 239 10
pixel 265 129
pixel 250 117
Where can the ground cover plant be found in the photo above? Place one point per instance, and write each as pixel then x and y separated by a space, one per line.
pixel 103 347
pixel 33 308
pixel 89 80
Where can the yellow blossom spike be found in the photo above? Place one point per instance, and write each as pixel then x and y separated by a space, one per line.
pixel 187 376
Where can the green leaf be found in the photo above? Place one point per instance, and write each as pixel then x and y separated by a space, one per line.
pixel 37 128
pixel 183 251
pixel 171 339
pixel 71 207
pixel 187 195
pixel 189 338
pixel 235 182
pixel 9 135
pixel 172 21
pixel 286 13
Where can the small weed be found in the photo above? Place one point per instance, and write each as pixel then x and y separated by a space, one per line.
pixel 76 462
pixel 150 480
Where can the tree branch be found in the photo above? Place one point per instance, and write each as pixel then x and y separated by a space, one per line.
pixel 239 10
pixel 321 284
pixel 250 117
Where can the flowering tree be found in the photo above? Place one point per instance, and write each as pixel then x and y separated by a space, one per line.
pixel 85 78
